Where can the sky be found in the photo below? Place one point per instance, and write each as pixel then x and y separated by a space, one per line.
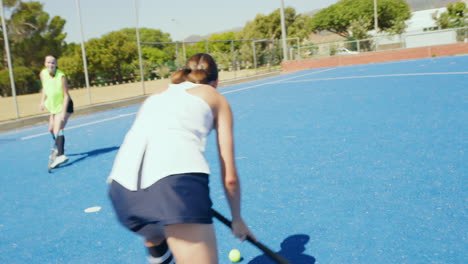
pixel 179 18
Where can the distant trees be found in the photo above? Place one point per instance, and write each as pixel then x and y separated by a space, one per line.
pixel 221 48
pixel 455 16
pixel 269 26
pixel 114 57
pixel 111 55
pixel 355 17
pixel 32 35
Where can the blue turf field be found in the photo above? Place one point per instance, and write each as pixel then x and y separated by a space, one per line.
pixel 364 164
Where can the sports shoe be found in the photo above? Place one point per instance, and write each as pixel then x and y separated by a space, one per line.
pixel 53 155
pixel 59 160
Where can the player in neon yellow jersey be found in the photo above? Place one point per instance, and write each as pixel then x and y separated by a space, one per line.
pixel 56 99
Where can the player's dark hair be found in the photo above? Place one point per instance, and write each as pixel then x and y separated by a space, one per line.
pixel 51 55
pixel 200 68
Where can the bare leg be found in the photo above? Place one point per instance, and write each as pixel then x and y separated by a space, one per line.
pixel 58 123
pixel 64 123
pixel 51 125
pixel 192 243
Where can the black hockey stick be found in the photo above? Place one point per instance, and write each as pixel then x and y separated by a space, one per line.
pixel 273 255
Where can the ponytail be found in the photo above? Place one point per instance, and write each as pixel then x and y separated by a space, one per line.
pixel 200 68
pixel 180 76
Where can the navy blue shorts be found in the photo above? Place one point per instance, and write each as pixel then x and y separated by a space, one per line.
pixel 176 199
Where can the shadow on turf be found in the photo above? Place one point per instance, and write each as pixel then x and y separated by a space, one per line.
pixel 88 154
pixel 292 248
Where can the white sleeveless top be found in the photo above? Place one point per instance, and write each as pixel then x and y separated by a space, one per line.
pixel 168 137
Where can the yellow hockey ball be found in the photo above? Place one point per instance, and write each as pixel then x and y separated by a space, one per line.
pixel 234 255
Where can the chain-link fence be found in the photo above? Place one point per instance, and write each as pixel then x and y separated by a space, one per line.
pixel 382 42
pixel 232 55
pixel 236 58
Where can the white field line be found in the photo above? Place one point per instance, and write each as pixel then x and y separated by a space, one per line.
pixel 254 86
pixel 279 81
pixel 125 115
pixel 380 76
pixel 82 125
pixel 248 77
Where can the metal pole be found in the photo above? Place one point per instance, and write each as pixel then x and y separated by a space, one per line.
pixel 139 48
pixel 283 33
pixel 254 56
pixel 83 52
pixel 298 48
pixel 10 69
pixel 376 24
pixel 232 56
pixel 177 54
pixel 183 52
pixel 269 56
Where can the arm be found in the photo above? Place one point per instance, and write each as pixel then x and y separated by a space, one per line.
pixel 230 179
pixel 43 96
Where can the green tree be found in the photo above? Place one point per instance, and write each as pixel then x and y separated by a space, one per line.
pixel 269 26
pixel 34 34
pixel 110 56
pixel 359 28
pixel 8 4
pixel 194 48
pixel 300 27
pixel 71 63
pixel 26 81
pixel 338 18
pixel 455 16
pixel 153 55
pixel 222 49
pixel 219 43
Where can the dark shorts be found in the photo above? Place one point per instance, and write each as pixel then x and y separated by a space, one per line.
pixel 70 108
pixel 176 199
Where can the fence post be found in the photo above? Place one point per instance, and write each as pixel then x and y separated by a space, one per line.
pixel 142 74
pixel 83 52
pixel 254 56
pixel 298 49
pixel 183 52
pixel 232 54
pixel 177 54
pixel 10 68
